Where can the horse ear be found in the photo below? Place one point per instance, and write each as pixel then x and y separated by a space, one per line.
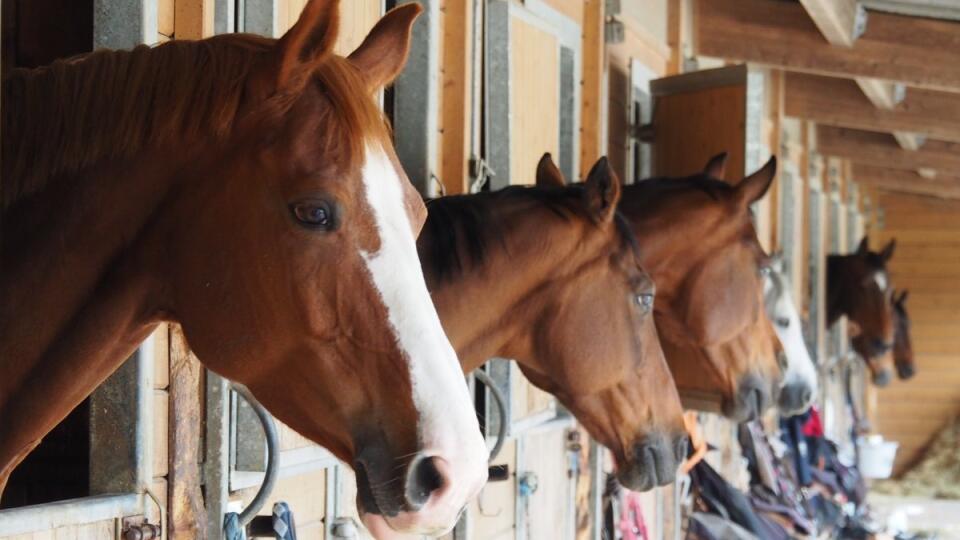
pixel 716 167
pixel 548 175
pixel 308 42
pixel 755 186
pixel 887 252
pixel 383 53
pixel 864 247
pixel 602 191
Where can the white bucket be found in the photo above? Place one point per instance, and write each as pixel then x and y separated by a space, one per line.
pixel 877 456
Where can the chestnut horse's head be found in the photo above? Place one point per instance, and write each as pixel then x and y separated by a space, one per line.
pixel 295 272
pixel 700 246
pixel 594 343
pixel 858 286
pixel 800 383
pixel 903 357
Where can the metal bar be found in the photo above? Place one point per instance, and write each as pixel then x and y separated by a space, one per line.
pixel 46 517
pixel 124 24
pixel 416 90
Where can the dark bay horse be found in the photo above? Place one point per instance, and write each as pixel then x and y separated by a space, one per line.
pixel 858 286
pixel 701 248
pixel 903 357
pixel 549 276
pixel 247 189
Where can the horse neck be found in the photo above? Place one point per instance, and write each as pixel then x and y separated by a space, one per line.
pixel 76 298
pixel 490 310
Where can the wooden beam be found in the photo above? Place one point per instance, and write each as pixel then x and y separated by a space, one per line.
pixel 907 182
pixel 591 103
pixel 883 94
pixel 880 149
pixel 839 102
pixel 918 52
pixel 840 21
pixel 456 72
pixel 193 19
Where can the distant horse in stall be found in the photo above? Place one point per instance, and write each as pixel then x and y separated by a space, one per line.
pixel 701 248
pixel 549 276
pixel 903 357
pixel 247 189
pixel 858 286
pixel 800 383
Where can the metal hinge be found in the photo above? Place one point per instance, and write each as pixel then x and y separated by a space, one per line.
pixel 138 528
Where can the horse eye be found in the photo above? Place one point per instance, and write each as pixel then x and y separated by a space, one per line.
pixel 783 322
pixel 313 214
pixel 645 301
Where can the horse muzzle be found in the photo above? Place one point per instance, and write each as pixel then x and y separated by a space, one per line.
pixel 654 462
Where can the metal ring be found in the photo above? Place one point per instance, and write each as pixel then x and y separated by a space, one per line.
pixel 482 376
pixel 273 454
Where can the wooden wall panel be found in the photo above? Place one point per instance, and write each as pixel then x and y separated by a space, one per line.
pixel 928 248
pixel 534 99
pixel 91 531
pixel 682 147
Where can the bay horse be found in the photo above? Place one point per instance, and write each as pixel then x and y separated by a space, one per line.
pixel 247 189
pixel 903 357
pixel 858 286
pixel 701 248
pixel 549 277
pixel 799 387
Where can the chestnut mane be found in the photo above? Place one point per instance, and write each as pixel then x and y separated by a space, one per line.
pixel 78 112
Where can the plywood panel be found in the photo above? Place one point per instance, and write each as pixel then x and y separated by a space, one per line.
pixel 684 142
pixel 493 513
pixel 306 495
pixel 548 509
pixel 928 248
pixel 534 98
pixel 92 531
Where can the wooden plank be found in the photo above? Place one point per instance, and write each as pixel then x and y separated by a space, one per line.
pixel 839 102
pixel 186 516
pixel 591 105
pixel 840 21
pixel 880 149
pixel 534 99
pixel 775 33
pixel 455 96
pixel 193 19
pixel 165 18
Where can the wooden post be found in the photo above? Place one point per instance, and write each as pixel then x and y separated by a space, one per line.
pixel 186 515
pixel 456 71
pixel 591 111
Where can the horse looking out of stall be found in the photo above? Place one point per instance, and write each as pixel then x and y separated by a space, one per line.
pixel 799 387
pixel 246 188
pixel 903 357
pixel 858 286
pixel 701 248
pixel 549 276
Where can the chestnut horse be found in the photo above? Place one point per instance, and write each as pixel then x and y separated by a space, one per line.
pixel 247 189
pixel 549 276
pixel 800 383
pixel 701 248
pixel 903 357
pixel 858 286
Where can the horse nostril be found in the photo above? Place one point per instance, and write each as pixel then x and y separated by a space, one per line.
pixel 681 448
pixel 423 479
pixel 880 346
pixel 881 378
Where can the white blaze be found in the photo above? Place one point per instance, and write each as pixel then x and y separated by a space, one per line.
pixel 800 368
pixel 448 423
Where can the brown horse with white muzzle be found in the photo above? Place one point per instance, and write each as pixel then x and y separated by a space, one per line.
pixel 858 286
pixel 549 276
pixel 700 246
pixel 247 189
